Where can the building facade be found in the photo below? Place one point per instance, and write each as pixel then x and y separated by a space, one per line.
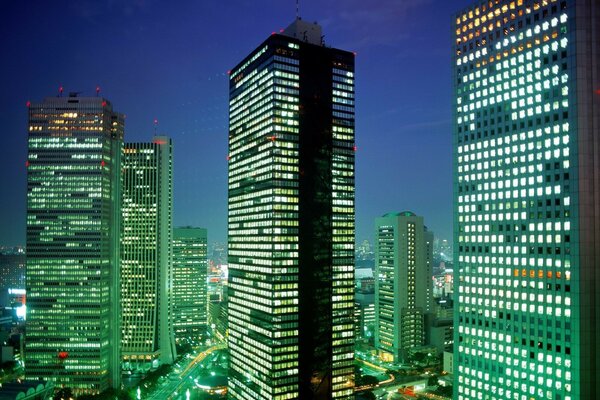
pixel 12 273
pixel 526 114
pixel 291 219
pixel 190 307
pixel 403 283
pixel 146 254
pixel 72 279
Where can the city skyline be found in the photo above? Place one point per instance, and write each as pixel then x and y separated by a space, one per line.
pixel 180 79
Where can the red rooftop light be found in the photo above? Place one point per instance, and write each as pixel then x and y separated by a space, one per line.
pixel 104 103
pixel 160 142
pixel 102 163
pixel 272 33
pixel 27 163
pixel 355 148
pixel 28 104
pixel 598 91
pixel 63 355
pixel 228 157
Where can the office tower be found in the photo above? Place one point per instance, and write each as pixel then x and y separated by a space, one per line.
pixel 291 219
pixel 403 283
pixel 189 282
pixel 72 280
pixel 526 178
pixel 146 254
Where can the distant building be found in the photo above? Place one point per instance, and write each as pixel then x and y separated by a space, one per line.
pixel 291 219
pixel 218 315
pixel 189 282
pixel 146 254
pixel 440 332
pixel 366 285
pixel 12 273
pixel 73 215
pixel 403 283
pixel 364 316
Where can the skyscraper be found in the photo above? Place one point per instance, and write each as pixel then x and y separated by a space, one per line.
pixel 72 280
pixel 291 219
pixel 526 179
pixel 146 254
pixel 190 268
pixel 403 283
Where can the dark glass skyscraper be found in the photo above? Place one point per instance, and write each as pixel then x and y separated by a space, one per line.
pixel 526 196
pixel 72 280
pixel 291 219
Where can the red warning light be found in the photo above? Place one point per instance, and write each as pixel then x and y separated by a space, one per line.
pixel 281 30
pixel 159 142
pixel 60 90
pixel 62 355
pixel 272 33
pixel 272 138
pixel 228 72
pixel 355 148
pixel 27 163
pixel 228 157
pixel 155 121
pixel 28 104
pixel 104 103
pixel 598 91
pixel 102 163
pixel 354 53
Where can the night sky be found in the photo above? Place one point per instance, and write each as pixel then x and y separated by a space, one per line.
pixel 169 59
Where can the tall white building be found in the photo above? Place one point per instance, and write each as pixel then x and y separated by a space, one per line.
pixel 146 254
pixel 403 283
pixel 526 140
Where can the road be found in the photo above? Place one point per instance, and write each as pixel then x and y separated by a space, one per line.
pixel 176 384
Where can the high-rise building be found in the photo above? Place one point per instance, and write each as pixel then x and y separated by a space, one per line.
pixel 403 283
pixel 291 219
pixel 72 280
pixel 146 254
pixel 526 79
pixel 190 309
pixel 12 273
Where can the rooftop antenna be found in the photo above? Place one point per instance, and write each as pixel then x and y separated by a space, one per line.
pixel 60 91
pixel 97 91
pixel 155 125
pixel 297 9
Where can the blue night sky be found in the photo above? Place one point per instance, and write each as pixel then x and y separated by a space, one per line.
pixel 169 60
